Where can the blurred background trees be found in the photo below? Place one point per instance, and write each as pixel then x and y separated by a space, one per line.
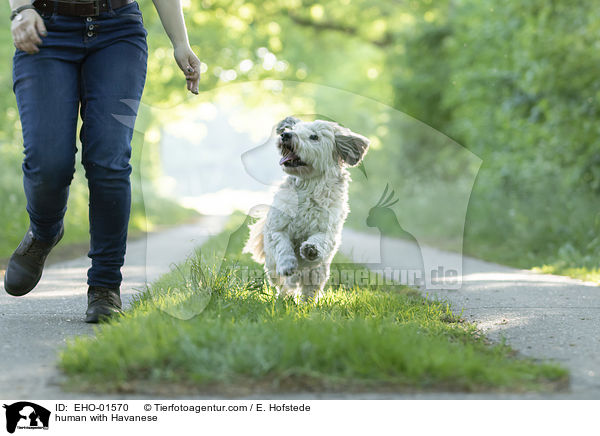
pixel 513 82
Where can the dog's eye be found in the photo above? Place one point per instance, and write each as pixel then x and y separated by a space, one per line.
pixel 314 137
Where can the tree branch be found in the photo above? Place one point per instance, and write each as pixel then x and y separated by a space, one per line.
pixel 338 27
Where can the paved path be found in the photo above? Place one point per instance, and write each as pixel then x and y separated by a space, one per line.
pixel 542 316
pixel 34 327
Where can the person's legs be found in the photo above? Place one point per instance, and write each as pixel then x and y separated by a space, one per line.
pixel 113 70
pixel 47 92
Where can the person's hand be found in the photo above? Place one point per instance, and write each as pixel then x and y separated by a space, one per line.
pixel 27 31
pixel 189 63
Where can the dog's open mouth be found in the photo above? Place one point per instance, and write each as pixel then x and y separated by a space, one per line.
pixel 290 159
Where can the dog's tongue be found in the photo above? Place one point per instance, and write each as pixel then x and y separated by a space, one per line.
pixel 287 157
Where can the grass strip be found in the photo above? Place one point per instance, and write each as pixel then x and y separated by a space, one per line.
pixel 211 327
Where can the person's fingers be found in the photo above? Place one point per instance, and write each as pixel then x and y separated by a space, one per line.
pixel 17 39
pixel 40 26
pixel 194 85
pixel 190 65
pixel 27 44
pixel 21 41
pixel 195 77
pixel 27 40
pixel 33 36
pixel 29 47
pixel 193 80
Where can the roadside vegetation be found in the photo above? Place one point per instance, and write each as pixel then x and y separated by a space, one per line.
pixel 213 326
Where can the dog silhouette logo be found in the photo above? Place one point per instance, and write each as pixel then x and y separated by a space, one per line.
pixel 26 415
pixel 383 217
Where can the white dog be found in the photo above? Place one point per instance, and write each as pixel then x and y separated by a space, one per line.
pixel 301 232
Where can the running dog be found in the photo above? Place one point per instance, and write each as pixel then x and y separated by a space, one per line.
pixel 301 232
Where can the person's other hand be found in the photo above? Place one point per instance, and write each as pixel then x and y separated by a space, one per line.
pixel 27 30
pixel 189 63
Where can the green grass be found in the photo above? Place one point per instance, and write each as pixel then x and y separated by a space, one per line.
pixel 231 335
pixel 587 274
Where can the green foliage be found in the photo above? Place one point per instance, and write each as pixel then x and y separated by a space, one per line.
pixel 522 93
pixel 280 39
pixel 515 83
pixel 246 338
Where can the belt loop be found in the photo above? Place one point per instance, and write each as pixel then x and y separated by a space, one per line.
pixel 55 8
pixel 109 3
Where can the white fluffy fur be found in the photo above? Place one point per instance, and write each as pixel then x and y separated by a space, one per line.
pixel 301 232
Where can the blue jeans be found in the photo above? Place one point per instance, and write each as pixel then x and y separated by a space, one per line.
pixel 87 65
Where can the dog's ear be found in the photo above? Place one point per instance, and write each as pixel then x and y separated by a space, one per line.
pixel 350 146
pixel 286 123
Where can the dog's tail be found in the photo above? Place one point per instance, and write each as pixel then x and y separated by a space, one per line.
pixel 256 241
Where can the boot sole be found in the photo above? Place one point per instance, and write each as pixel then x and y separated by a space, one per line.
pixel 100 318
pixel 21 293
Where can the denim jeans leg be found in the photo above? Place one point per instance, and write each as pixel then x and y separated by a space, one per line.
pixel 46 89
pixel 110 74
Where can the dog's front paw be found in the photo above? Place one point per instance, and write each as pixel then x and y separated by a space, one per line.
pixel 287 266
pixel 309 251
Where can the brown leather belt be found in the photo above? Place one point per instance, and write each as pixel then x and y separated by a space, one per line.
pixel 78 9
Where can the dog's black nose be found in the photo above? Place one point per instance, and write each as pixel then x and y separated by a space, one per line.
pixel 286 136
